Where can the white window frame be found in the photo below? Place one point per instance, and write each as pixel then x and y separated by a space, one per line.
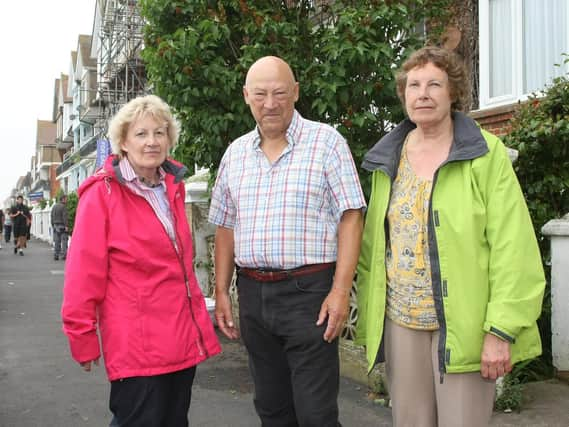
pixel 486 101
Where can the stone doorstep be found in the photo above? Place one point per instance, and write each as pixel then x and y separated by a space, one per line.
pixel 562 376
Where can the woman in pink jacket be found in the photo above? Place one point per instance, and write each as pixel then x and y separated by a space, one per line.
pixel 129 275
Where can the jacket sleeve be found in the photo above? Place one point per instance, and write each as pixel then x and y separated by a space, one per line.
pixel 86 273
pixel 516 277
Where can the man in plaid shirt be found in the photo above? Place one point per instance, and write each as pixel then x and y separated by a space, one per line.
pixel 287 204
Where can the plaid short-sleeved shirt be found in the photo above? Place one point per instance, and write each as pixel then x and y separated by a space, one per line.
pixel 286 214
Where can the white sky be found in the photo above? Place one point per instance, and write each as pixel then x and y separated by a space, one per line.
pixel 36 40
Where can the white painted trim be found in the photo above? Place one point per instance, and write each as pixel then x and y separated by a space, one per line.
pixel 484 52
pixel 196 192
pixel 486 101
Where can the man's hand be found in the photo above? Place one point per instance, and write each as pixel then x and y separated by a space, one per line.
pixel 87 365
pixel 335 307
pixel 224 316
pixel 495 360
pixel 337 304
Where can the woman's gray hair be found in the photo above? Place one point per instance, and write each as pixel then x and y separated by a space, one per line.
pixel 135 109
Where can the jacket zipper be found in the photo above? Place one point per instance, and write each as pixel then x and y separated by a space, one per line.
pixel 202 348
pixel 437 282
pixel 180 255
pixel 435 266
pixel 440 288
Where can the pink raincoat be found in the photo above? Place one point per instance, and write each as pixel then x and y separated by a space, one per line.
pixel 124 277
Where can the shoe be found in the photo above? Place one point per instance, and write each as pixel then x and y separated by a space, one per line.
pixel 21 252
pixel 55 258
pixel 15 250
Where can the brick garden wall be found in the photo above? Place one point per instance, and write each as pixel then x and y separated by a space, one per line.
pixel 54 184
pixel 495 120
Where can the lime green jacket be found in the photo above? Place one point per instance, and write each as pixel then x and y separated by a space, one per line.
pixel 485 264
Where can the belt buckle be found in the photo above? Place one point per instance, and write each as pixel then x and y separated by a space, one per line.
pixel 274 276
pixel 264 274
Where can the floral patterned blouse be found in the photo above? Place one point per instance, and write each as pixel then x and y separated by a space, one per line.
pixel 410 300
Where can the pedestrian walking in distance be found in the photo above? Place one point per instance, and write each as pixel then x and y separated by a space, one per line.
pixel 7 226
pixel 129 274
pixel 2 219
pixel 29 226
pixel 288 204
pixel 59 225
pixel 20 215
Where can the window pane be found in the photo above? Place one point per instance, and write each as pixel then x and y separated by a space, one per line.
pixel 545 34
pixel 500 47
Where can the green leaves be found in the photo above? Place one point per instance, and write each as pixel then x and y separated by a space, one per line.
pixel 198 51
pixel 72 199
pixel 540 132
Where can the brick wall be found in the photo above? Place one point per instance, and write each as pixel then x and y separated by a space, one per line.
pixel 54 184
pixel 495 120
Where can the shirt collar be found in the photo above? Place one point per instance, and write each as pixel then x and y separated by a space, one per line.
pixel 129 175
pixel 293 131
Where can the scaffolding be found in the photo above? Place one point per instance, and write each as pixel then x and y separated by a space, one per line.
pixel 121 72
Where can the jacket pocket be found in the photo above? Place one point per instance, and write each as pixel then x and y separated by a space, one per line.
pixel 165 326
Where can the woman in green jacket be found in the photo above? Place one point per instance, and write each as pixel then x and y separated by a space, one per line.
pixel 450 281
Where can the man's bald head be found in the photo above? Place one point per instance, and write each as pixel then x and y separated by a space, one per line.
pixel 270 66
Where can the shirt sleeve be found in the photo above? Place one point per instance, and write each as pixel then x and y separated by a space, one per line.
pixel 222 208
pixel 343 180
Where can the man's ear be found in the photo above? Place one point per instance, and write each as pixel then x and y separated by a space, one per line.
pixel 245 95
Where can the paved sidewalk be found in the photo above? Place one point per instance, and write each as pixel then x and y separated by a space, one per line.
pixel 40 385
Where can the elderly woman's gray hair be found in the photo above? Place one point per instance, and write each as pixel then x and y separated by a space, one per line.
pixel 135 109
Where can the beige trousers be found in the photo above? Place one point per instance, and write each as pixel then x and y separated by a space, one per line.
pixel 418 398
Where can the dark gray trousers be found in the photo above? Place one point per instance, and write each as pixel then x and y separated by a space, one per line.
pixel 296 372
pixel 60 237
